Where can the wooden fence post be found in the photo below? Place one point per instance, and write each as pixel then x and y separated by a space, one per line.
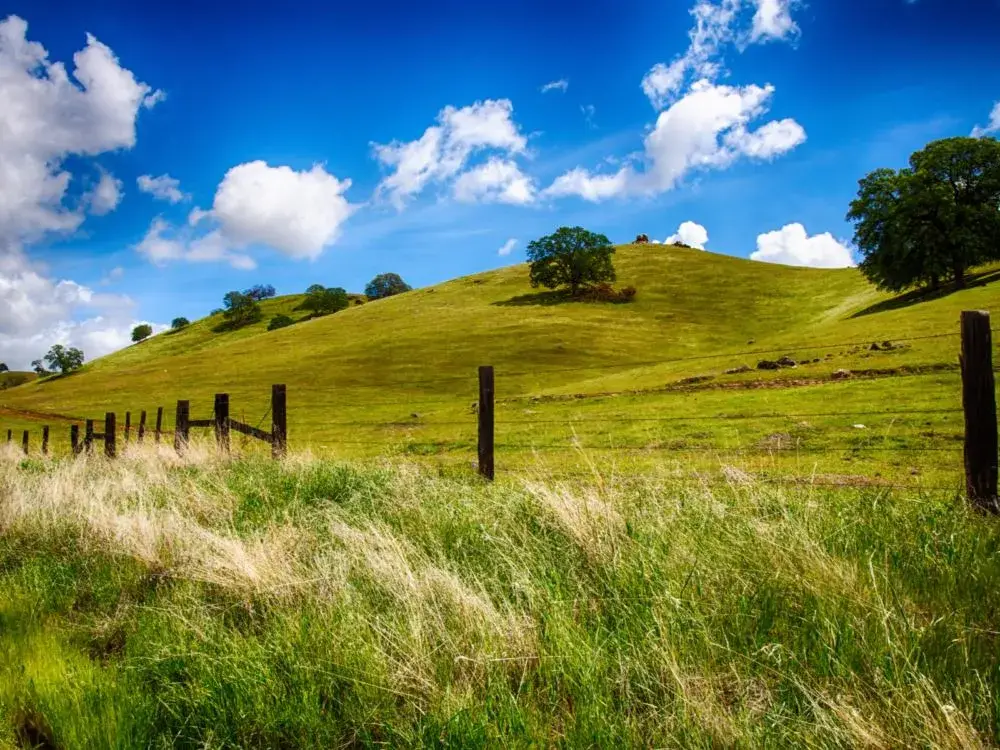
pixel 128 425
pixel 159 423
pixel 181 425
pixel 10 436
pixel 45 440
pixel 980 405
pixel 279 421
pixel 74 438
pixel 110 446
pixel 24 442
pixel 222 421
pixel 88 436
pixel 141 433
pixel 485 411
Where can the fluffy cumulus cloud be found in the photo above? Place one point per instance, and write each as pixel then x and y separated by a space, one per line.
pixel 792 246
pixel 164 188
pixel 703 124
pixel 993 126
pixel 691 234
pixel 508 247
pixel 561 85
pixel 442 154
pixel 498 180
pixel 297 213
pixel 48 115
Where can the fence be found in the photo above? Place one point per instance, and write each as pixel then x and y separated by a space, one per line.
pixel 221 422
pixel 980 446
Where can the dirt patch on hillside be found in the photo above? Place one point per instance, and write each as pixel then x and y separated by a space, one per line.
pixel 38 416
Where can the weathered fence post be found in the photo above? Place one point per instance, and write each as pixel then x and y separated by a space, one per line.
pixel 45 440
pixel 222 421
pixel 980 405
pixel 485 411
pixel 74 438
pixel 10 436
pixel 279 422
pixel 24 442
pixel 128 425
pixel 88 436
pixel 159 423
pixel 110 446
pixel 141 433
pixel 181 425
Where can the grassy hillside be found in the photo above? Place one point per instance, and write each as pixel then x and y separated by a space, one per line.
pixel 156 602
pixel 417 353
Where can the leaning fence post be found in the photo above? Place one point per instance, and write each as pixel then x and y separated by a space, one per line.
pixel 980 405
pixel 88 436
pixel 222 421
pixel 279 422
pixel 45 440
pixel 74 438
pixel 24 442
pixel 159 423
pixel 181 425
pixel 110 446
pixel 141 433
pixel 128 425
pixel 485 411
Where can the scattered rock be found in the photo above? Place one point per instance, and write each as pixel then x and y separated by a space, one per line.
pixel 841 374
pixel 414 416
pixel 888 346
pixel 696 379
pixel 858 427
pixel 786 362
pixel 474 408
pixel 737 370
pixel 829 356
pixel 817 359
pixel 768 364
pixel 751 342
pixel 875 347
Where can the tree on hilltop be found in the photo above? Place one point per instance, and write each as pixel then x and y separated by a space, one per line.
pixel 178 323
pixel 240 310
pixel 141 332
pixel 61 358
pixel 260 292
pixel 321 300
pixel 933 220
pixel 571 257
pixel 386 285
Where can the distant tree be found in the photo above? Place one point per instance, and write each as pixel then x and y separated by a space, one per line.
pixel 178 323
pixel 240 310
pixel 279 321
pixel 3 367
pixel 38 367
pixel 323 301
pixel 63 359
pixel 935 219
pixel 218 311
pixel 386 285
pixel 141 332
pixel 259 292
pixel 571 257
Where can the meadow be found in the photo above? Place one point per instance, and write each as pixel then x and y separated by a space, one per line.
pixel 165 601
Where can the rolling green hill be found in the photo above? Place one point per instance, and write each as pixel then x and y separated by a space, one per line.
pixel 411 361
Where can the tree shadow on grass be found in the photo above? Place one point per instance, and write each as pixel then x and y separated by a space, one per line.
pixel 539 298
pixel 926 295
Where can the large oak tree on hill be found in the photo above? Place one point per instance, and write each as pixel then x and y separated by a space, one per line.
pixel 386 285
pixel 572 257
pixel 935 219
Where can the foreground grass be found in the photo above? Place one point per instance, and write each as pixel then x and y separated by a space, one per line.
pixel 157 601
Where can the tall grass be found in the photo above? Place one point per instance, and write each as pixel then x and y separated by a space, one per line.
pixel 158 601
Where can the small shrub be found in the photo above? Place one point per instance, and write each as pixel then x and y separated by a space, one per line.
pixel 279 321
pixel 605 292
pixel 178 323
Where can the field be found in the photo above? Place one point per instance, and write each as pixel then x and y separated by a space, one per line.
pixel 163 602
pixel 580 382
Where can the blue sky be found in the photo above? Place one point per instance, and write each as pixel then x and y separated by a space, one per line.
pixel 334 141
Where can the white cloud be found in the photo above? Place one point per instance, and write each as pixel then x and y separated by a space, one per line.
pixel 792 246
pixel 48 115
pixel 593 188
pixel 298 214
pixel 706 129
pixel 115 274
pixel 992 127
pixel 561 85
pixel 691 234
pixel 508 247
pixel 105 196
pixel 589 110
pixel 717 25
pixel 444 149
pixel 164 187
pixel 498 180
